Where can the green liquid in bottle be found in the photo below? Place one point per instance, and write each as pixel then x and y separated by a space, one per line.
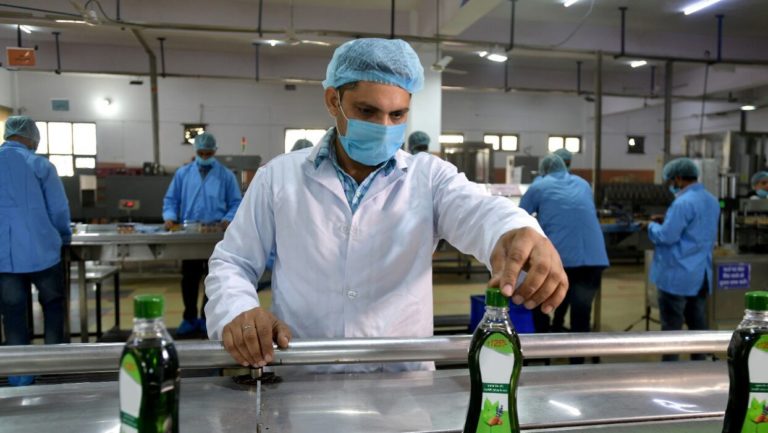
pixel 747 410
pixel 495 361
pixel 149 376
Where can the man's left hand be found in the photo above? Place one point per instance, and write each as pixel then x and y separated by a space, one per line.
pixel 525 249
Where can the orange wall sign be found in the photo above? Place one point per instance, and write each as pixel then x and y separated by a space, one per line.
pixel 20 57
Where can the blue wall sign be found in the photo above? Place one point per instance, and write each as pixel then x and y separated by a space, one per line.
pixel 733 276
pixel 60 104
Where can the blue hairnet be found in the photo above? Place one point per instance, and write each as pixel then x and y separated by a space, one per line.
pixel 682 167
pixel 23 126
pixel 301 143
pixel 386 61
pixel 551 164
pixel 757 177
pixel 205 141
pixel 418 139
pixel 564 154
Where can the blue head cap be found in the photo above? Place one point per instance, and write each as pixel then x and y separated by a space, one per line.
pixel 301 143
pixel 564 154
pixel 757 177
pixel 682 167
pixel 22 126
pixel 386 61
pixel 418 140
pixel 205 141
pixel 551 164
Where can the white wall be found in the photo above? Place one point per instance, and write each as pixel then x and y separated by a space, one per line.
pixel 232 108
pixel 261 112
pixel 6 88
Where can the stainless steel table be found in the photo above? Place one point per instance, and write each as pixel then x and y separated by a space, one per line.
pixel 678 397
pixel 103 242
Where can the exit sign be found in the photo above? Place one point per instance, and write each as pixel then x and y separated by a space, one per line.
pixel 24 57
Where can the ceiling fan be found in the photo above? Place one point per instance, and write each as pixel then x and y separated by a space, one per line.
pixel 291 37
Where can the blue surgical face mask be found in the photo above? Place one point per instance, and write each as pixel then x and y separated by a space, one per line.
pixel 762 193
pixel 203 162
pixel 371 143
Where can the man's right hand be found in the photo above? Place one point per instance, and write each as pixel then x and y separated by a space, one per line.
pixel 249 336
pixel 169 224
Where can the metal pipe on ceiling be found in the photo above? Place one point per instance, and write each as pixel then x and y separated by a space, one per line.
pixel 58 53
pixel 623 10
pixel 153 95
pixel 76 358
pixel 719 37
pixel 597 157
pixel 162 56
pixel 668 77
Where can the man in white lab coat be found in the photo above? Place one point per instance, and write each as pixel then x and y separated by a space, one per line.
pixel 354 222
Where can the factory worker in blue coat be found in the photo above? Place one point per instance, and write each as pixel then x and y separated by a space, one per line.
pixel 759 182
pixel 564 206
pixel 34 224
pixel 205 192
pixel 354 222
pixel 682 258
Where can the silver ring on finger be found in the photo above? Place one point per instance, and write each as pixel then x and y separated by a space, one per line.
pixel 248 326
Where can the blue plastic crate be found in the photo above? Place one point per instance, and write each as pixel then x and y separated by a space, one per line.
pixel 522 318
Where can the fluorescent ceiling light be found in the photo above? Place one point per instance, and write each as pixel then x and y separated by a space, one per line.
pixel 274 42
pixel 567 3
pixel 695 7
pixel 637 63
pixel 71 21
pixel 494 57
pixel 482 53
pixel 26 29
pixel 747 107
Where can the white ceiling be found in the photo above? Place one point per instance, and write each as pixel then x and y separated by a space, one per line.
pixel 229 26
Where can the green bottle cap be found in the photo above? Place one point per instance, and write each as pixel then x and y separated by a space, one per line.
pixel 494 298
pixel 757 301
pixel 148 306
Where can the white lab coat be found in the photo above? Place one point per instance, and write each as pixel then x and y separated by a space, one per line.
pixel 340 275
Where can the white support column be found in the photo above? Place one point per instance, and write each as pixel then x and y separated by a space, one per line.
pixel 426 105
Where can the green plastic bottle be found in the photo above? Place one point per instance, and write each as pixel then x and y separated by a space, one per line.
pixel 149 373
pixel 747 409
pixel 495 360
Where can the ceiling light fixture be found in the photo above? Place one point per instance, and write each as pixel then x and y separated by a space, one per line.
pixel 748 107
pixel 482 53
pixel 71 21
pixel 695 7
pixel 637 63
pixel 568 3
pixel 274 42
pixel 27 29
pixel 497 55
pixel 494 57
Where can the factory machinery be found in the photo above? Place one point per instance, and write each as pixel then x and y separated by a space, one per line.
pixel 108 195
pixel 613 397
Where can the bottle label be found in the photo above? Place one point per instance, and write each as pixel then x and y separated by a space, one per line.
pixel 130 394
pixel 497 362
pixel 757 412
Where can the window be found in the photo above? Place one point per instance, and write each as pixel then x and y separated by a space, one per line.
pixel 291 135
pixel 192 130
pixel 451 138
pixel 569 142
pixel 68 145
pixel 503 142
pixel 635 144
